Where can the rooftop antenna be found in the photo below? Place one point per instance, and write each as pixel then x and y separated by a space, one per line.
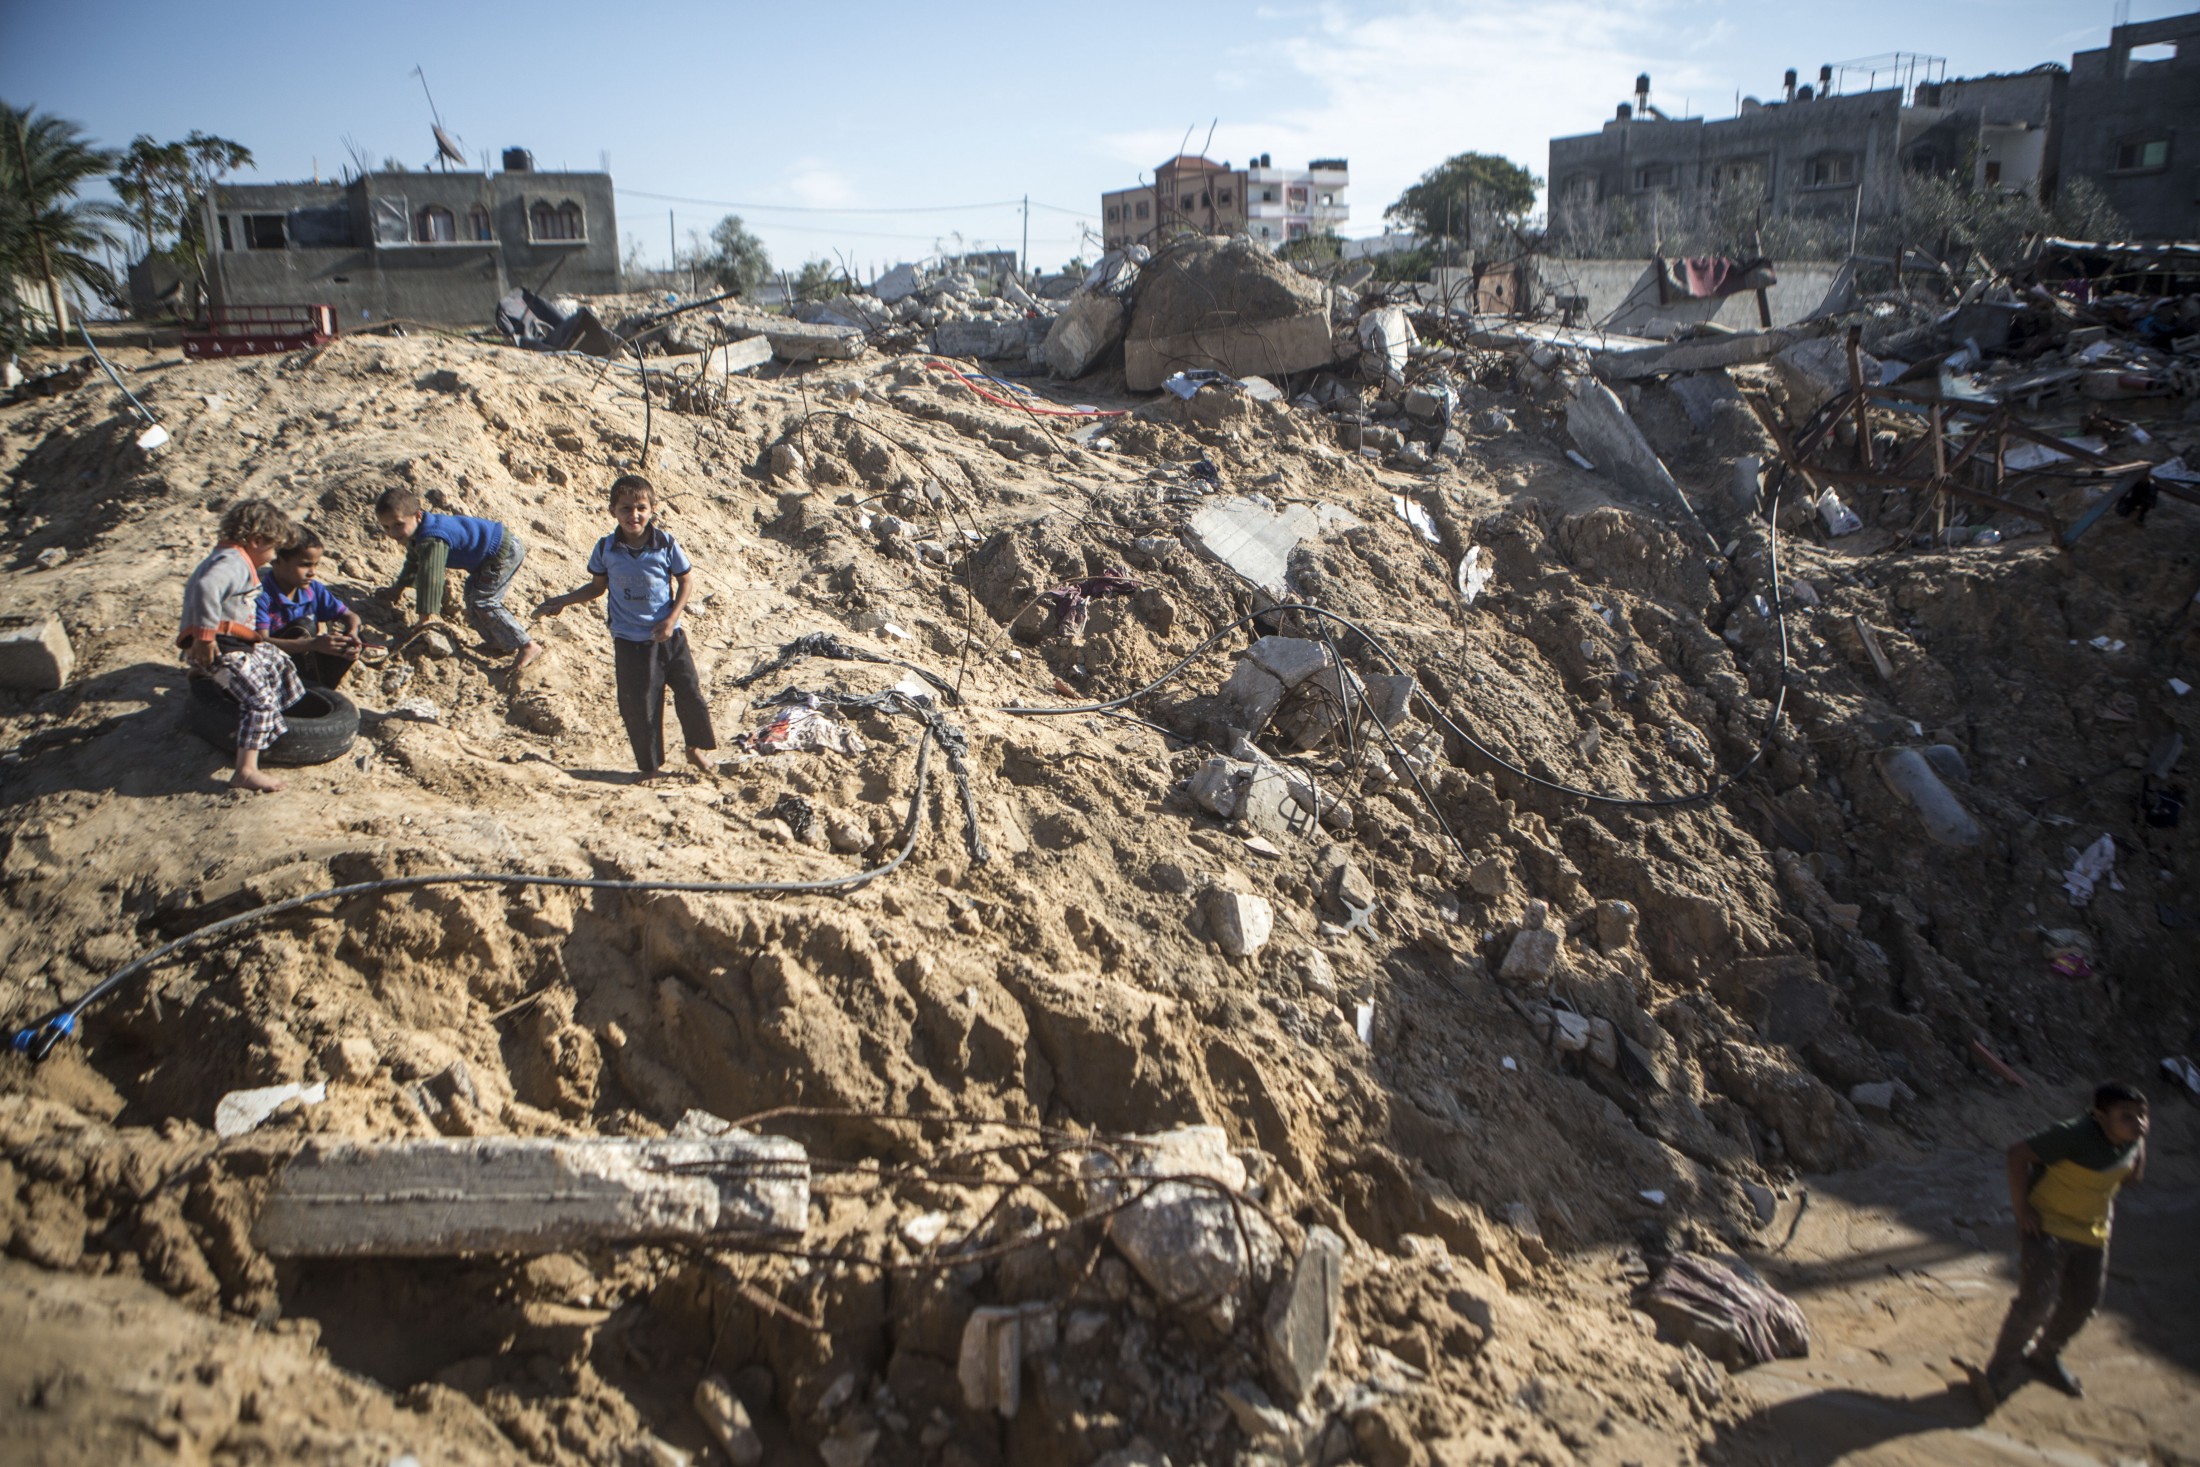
pixel 447 150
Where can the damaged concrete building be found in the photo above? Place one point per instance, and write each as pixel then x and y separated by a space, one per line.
pixel 2134 124
pixel 1193 194
pixel 1819 150
pixel 441 247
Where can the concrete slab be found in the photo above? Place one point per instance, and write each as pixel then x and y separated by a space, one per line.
pixel 1256 540
pixel 1605 432
pixel 1262 348
pixel 1092 322
pixel 506 1194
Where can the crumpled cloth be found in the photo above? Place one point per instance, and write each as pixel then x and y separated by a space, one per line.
pixel 2096 861
pixel 1072 603
pixel 1706 277
pixel 1732 1318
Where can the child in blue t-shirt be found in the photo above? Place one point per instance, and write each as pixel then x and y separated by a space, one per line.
pixel 486 550
pixel 647 576
pixel 304 617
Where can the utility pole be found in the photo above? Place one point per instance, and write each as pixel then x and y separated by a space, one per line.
pixel 1023 259
pixel 672 246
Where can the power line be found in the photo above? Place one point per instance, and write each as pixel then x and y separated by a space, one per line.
pixel 812 209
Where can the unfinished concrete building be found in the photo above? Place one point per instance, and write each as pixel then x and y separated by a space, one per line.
pixel 435 246
pixel 1191 193
pixel 1818 150
pixel 2133 124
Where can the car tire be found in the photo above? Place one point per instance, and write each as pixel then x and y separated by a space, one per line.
pixel 321 725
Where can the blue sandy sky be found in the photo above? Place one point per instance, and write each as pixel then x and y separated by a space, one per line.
pixel 808 116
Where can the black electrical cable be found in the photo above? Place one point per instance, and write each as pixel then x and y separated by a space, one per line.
pixel 38 1038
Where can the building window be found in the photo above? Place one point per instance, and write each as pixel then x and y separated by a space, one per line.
pixel 477 221
pixel 225 233
pixel 434 225
pixel 1115 213
pixel 1829 170
pixel 1654 175
pixel 1223 198
pixel 1295 197
pixel 263 231
pixel 560 222
pixel 1268 196
pixel 1582 188
pixel 1142 211
pixel 2142 154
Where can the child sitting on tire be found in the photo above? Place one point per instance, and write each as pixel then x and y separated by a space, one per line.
pixel 295 609
pixel 220 634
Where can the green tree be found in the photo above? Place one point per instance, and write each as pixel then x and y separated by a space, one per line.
pixel 1465 197
pixel 50 235
pixel 1313 249
pixel 162 186
pixel 818 281
pixel 737 260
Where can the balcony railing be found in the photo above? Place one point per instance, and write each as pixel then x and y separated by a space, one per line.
pixel 1333 213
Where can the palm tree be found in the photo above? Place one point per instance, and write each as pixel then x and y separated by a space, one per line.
pixel 48 233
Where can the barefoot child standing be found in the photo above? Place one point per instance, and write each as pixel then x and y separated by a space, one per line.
pixel 648 577
pixel 220 637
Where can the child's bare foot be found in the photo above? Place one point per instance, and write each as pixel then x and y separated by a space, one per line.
pixel 253 779
pixel 701 759
pixel 528 655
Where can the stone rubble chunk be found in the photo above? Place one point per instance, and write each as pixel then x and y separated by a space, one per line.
pixel 1534 953
pixel 1256 1415
pixel 1194 1247
pixel 1092 322
pixel 35 655
pixel 995 1341
pixel 1241 923
pixel 1290 660
pixel 1251 695
pixel 728 1421
pixel 1301 1327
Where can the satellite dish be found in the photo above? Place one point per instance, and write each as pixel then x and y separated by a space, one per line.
pixel 447 146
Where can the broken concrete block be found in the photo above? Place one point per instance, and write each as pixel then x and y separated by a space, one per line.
pixel 728 1421
pixel 1603 430
pixel 1817 369
pixel 1880 1097
pixel 1241 923
pixel 1604 1043
pixel 1258 1417
pixel 980 338
pixel 1256 541
pixel 241 1111
pixel 1490 877
pixel 1532 956
pixel 1251 696
pixel 1271 803
pixel 1290 660
pixel 995 1341
pixel 1226 305
pixel 787 461
pixel 1569 1031
pixel 794 341
pixel 1301 1326
pixel 898 284
pixel 508 1194
pixel 1390 697
pixel 35 655
pixel 1090 324
pixel 1193 1245
pixel 1423 404
pixel 1214 785
pixel 1761 1202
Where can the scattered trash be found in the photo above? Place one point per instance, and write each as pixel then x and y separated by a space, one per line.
pixel 1473 576
pixel 1416 514
pixel 1510 1064
pixel 2179 686
pixel 2107 644
pixel 2096 862
pixel 2179 1070
pixel 1653 1196
pixel 802 728
pixel 1363 1022
pixel 1579 461
pixel 416 710
pixel 1998 1065
pixel 1837 517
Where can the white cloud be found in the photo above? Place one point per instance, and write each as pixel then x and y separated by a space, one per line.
pixel 818 185
pixel 1399 92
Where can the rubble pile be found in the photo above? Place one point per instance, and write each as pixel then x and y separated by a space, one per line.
pixel 1309 891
